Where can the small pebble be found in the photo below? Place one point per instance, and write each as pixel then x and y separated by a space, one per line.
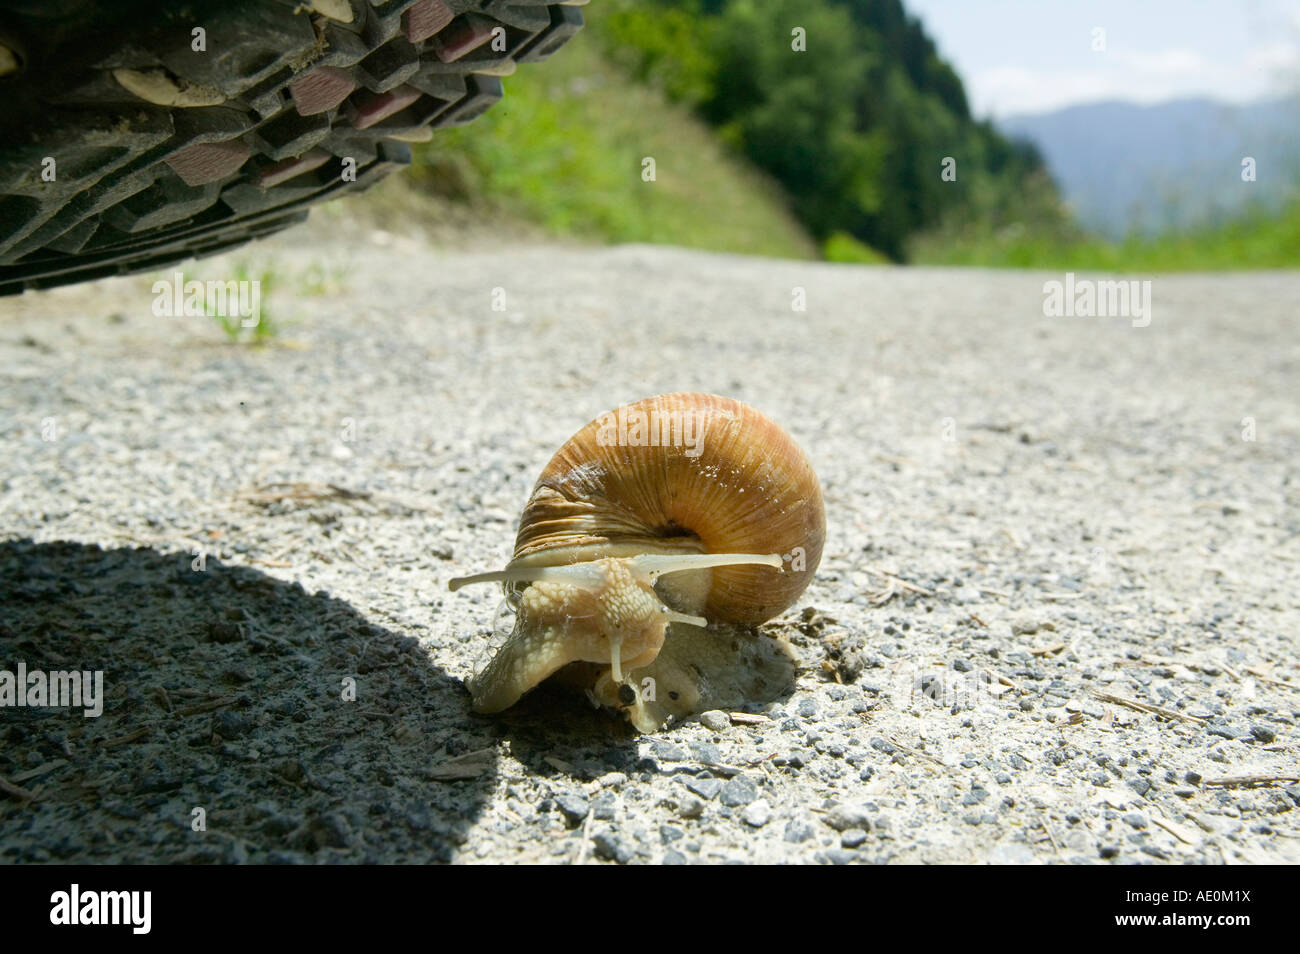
pixel 797 831
pixel 844 817
pixel 757 814
pixel 610 846
pixel 852 838
pixel 602 807
pixel 572 807
pixel 738 791
pixel 715 719
pixel 667 751
pixel 706 788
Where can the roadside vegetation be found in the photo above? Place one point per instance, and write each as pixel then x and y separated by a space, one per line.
pixel 790 128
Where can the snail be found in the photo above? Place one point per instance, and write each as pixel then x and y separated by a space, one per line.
pixel 655 541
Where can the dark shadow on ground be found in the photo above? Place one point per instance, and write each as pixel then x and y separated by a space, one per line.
pixel 555 731
pixel 223 691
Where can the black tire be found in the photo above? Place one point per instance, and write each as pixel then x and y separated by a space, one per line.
pixel 124 148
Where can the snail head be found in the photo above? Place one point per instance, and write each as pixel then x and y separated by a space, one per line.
pixel 598 611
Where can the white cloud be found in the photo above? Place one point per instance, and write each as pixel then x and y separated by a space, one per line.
pixel 1142 76
pixel 1162 62
pixel 1012 89
pixel 1281 56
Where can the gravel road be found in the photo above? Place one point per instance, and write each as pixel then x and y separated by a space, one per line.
pixel 1040 530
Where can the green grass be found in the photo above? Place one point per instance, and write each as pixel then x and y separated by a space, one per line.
pixel 233 324
pixel 1255 241
pixel 565 149
pixel 843 247
pixel 318 279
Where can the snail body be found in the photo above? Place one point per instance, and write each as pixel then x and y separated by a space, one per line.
pixel 648 525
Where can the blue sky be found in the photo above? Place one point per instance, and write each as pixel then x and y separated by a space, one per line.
pixel 1019 56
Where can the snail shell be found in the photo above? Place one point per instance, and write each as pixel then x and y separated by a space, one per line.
pixel 650 523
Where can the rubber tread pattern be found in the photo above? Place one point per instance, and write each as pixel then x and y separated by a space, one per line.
pixel 291 99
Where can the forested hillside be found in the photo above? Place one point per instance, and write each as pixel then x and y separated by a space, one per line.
pixel 846 103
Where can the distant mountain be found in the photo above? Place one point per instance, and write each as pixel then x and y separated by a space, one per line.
pixel 1149 168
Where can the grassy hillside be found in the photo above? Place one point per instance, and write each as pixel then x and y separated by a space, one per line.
pixel 1256 241
pixel 565 148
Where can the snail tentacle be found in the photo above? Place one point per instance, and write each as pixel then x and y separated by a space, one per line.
pixel 590 574
pixel 675 617
pixel 651 565
pixel 587 575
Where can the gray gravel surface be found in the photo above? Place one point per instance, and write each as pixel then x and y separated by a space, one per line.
pixel 1029 518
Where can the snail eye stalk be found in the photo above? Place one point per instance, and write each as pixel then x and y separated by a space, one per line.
pixel 592 574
